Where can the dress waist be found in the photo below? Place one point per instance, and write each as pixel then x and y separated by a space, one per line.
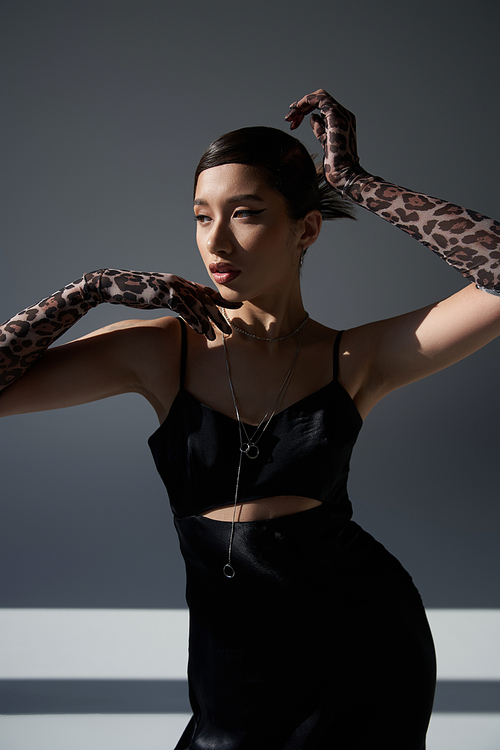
pixel 316 549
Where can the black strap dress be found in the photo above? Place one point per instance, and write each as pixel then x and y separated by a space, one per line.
pixel 320 640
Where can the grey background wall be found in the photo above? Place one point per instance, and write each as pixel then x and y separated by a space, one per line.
pixel 106 109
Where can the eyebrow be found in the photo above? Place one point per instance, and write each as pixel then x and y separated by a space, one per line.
pixel 235 199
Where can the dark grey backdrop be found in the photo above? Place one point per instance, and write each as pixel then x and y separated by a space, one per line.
pixel 106 108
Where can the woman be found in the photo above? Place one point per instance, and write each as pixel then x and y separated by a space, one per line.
pixel 305 632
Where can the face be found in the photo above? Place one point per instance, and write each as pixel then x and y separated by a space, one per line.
pixel 248 243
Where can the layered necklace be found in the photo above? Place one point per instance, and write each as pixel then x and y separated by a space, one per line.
pixel 248 442
pixel 263 338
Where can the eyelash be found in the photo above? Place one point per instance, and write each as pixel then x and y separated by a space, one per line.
pixel 249 211
pixel 199 218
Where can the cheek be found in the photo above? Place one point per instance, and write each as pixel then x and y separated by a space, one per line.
pixel 268 238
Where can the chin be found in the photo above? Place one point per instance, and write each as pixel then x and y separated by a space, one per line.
pixel 232 295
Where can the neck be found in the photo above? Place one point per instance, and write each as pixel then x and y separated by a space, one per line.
pixel 269 319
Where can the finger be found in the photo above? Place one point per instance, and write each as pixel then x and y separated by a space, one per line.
pixel 216 316
pixel 297 114
pixel 199 324
pixel 310 101
pixel 220 301
pixel 211 303
pixel 305 102
pixel 221 324
pixel 318 127
pixel 321 100
pixel 300 110
pixel 209 333
pixel 205 308
pixel 294 118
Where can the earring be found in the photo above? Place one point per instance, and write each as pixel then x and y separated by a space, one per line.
pixel 301 261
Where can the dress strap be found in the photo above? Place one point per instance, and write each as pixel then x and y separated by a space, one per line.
pixel 182 372
pixel 336 355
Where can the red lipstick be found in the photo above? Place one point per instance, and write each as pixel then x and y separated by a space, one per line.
pixel 223 273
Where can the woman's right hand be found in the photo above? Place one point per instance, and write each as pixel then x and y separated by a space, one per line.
pixel 198 305
pixel 195 303
pixel 116 359
pixel 25 337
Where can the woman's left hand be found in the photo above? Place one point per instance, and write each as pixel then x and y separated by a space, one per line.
pixel 335 128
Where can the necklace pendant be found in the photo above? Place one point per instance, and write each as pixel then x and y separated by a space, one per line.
pixel 228 570
pixel 250 449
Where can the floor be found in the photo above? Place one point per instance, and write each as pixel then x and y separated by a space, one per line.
pixel 161 732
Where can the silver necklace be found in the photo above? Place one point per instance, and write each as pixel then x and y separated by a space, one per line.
pixel 248 444
pixel 263 338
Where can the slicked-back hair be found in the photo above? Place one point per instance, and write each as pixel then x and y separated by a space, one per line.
pixel 285 165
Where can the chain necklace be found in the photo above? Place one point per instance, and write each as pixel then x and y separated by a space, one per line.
pixel 263 338
pixel 248 444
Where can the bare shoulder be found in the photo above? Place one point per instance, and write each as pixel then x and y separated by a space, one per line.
pixel 167 323
pixel 153 348
pixel 140 356
pixel 150 347
pixel 355 347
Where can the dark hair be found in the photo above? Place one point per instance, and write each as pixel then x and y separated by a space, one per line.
pixel 286 166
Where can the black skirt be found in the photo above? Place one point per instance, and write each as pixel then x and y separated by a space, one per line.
pixel 319 641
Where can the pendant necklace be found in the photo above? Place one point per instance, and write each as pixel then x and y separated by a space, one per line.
pixel 248 443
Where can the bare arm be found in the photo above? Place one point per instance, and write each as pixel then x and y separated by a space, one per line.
pixel 463 238
pixel 135 356
pixel 388 354
pixel 112 362
pixel 385 355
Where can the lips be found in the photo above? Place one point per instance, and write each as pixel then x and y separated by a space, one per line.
pixel 223 273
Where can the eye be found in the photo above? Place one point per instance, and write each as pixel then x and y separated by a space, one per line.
pixel 201 219
pixel 245 213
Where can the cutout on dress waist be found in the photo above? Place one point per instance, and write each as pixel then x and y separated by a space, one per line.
pixel 263 509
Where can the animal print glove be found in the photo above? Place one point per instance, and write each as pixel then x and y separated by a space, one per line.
pixel 463 238
pixel 195 303
pixel 25 337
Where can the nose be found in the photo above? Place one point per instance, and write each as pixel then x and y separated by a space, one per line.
pixel 219 238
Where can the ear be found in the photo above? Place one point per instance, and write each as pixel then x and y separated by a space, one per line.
pixel 311 227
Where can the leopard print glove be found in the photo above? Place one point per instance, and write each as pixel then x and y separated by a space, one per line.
pixel 463 238
pixel 195 303
pixel 27 335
